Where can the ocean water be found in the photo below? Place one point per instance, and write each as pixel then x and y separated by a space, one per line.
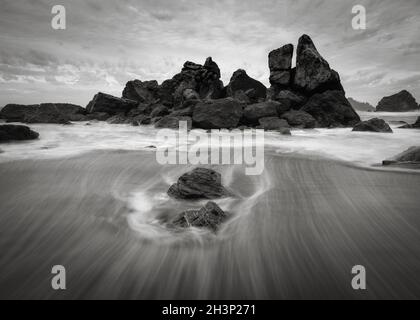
pixel 358 148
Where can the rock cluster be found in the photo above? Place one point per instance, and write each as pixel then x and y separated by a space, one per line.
pixel 415 125
pixel 200 183
pixel 306 96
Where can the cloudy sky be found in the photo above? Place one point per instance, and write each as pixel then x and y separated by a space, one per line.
pixel 109 42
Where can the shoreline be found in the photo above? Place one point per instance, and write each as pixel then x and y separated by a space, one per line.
pixel 296 233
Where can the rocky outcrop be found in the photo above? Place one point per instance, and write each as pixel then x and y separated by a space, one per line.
pixel 218 114
pixel 373 125
pixel 361 106
pixel 400 102
pixel 111 105
pixel 280 64
pixel 242 83
pixel 254 112
pixel 408 157
pixel 331 109
pixel 60 113
pixel 142 92
pixel 199 183
pixel 211 216
pixel 299 119
pixel 313 73
pixel 11 132
pixel 172 122
pixel 193 81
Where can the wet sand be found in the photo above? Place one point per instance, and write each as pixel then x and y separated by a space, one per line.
pixel 297 232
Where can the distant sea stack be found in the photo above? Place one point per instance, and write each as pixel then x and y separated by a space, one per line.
pixel 361 106
pixel 400 102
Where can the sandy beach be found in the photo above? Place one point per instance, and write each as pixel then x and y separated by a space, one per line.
pixel 296 231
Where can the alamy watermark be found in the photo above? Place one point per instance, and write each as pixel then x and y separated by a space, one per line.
pixel 215 147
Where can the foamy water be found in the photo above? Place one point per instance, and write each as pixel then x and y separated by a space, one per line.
pixel 360 148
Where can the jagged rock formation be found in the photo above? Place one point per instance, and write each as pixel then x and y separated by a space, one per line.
pixel 400 102
pixel 361 106
pixel 197 94
pixel 241 83
pixel 11 132
pixel 373 125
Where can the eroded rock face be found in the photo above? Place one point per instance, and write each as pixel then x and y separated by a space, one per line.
pixel 194 81
pixel 280 64
pixel 300 119
pixel 11 132
pixel 111 105
pixel 142 92
pixel 373 125
pixel 211 216
pixel 313 73
pixel 331 109
pixel 200 183
pixel 400 102
pixel 218 114
pixel 410 156
pixel 240 81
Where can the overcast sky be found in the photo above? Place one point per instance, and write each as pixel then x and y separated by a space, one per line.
pixel 109 42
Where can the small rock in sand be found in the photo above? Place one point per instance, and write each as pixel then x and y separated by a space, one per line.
pixel 211 216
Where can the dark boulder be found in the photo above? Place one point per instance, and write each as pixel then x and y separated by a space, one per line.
pixel 400 102
pixel 186 112
pixel 373 125
pixel 11 132
pixel 200 183
pixel 103 102
pixel 17 112
pixel 172 122
pixel 142 92
pixel 274 124
pixel 331 109
pixel 408 157
pixel 254 112
pixel 240 81
pixel 211 216
pixel 299 119
pixel 280 64
pixel 313 73
pixel 61 113
pixel 218 114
